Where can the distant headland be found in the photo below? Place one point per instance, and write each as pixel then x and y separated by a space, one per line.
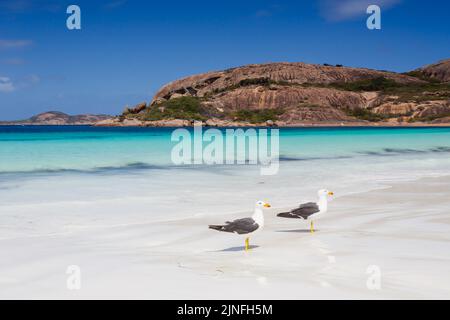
pixel 59 118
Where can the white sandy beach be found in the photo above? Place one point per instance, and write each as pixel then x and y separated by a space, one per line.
pixel 404 230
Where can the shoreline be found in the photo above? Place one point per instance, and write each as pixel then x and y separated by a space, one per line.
pixel 178 123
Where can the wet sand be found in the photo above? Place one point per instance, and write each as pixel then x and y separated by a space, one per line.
pixel 402 232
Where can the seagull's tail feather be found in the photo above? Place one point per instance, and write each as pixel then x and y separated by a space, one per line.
pixel 218 228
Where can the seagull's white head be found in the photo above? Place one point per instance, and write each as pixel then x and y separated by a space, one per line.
pixel 324 193
pixel 262 204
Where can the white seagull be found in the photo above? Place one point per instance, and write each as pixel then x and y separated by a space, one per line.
pixel 310 210
pixel 245 226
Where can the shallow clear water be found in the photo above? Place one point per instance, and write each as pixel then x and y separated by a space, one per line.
pixel 27 149
pixel 54 179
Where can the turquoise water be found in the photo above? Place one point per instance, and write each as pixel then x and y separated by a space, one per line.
pixel 55 179
pixel 34 149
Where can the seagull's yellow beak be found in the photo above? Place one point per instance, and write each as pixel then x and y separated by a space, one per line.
pixel 331 193
pixel 266 205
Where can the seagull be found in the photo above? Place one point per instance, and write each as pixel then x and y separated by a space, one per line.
pixel 310 210
pixel 245 226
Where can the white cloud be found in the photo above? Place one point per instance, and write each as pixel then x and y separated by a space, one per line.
pixel 339 10
pixel 7 44
pixel 6 85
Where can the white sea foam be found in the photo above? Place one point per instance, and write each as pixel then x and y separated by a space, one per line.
pixel 60 202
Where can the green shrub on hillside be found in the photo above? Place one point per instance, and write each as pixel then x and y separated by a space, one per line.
pixel 189 108
pixel 364 114
pixel 420 75
pixel 406 92
pixel 375 84
pixel 421 91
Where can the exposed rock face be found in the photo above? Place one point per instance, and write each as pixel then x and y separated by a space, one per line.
pixel 316 104
pixel 439 71
pixel 395 108
pixel 136 109
pixel 59 118
pixel 433 109
pixel 428 109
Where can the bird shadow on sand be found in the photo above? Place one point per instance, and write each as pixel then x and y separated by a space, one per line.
pixel 298 231
pixel 235 249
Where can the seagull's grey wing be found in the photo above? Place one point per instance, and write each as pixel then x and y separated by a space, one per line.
pixel 303 212
pixel 243 226
pixel 239 226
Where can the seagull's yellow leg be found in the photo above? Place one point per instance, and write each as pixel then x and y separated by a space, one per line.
pixel 246 244
pixel 312 226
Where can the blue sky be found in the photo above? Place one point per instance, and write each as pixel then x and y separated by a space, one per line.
pixel 127 49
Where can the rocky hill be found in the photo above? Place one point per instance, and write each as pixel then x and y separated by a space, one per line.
pixel 289 94
pixel 438 71
pixel 59 118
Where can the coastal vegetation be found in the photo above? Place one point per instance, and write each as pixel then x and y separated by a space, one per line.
pixel 179 108
pixel 422 91
pixel 417 92
pixel 365 114
pixel 420 75
pixel 191 108
pixel 374 84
